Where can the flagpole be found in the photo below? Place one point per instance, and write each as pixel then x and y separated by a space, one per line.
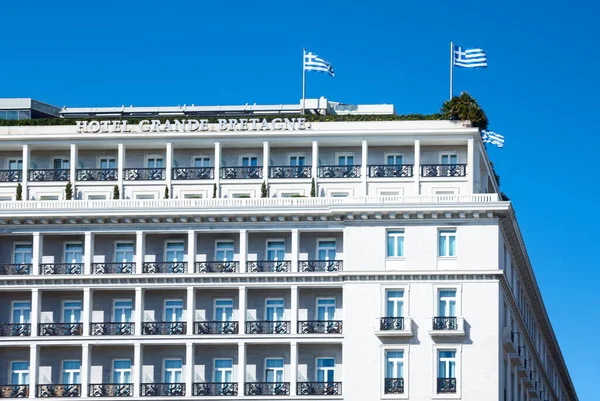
pixel 451 67
pixel 303 79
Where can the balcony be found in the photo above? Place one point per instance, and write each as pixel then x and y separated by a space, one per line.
pixel 269 266
pixel 391 326
pixel 97 174
pixel 58 390
pixel 282 388
pixel 111 329
pixel 14 391
pixel 443 170
pixel 319 388
pixel 215 327
pixel 163 389
pixel 15 269
pixel 390 170
pixel 193 173
pixel 61 268
pixel 215 389
pixel 320 265
pixel 110 390
pixel 15 329
pixel 320 327
pixel 268 327
pixel 508 340
pixel 144 174
pixel 339 171
pixel 290 172
pixel 241 173
pixel 10 175
pixel 63 174
pixel 164 267
pixel 447 326
pixel 163 328
pixel 113 268
pixel 60 329
pixel 446 385
pixel 217 267
pixel 393 386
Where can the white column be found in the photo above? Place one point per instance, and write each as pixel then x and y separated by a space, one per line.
pixel 191 309
pixel 315 164
pixel 364 168
pixel 295 249
pixel 137 368
pixel 85 369
pixel 88 252
pixel 265 166
pixel 470 165
pixel 139 310
pixel 417 167
pixel 36 253
pixel 189 371
pixel 242 309
pixel 293 368
pixel 294 309
pixel 218 168
pixel 241 368
pixel 140 249
pixel 25 178
pixel 87 310
pixel 169 167
pixel 73 168
pixel 33 370
pixel 243 250
pixel 34 317
pixel 191 258
pixel 120 169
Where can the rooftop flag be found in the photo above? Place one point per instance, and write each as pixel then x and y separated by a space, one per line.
pixel 493 138
pixel 469 57
pixel 312 62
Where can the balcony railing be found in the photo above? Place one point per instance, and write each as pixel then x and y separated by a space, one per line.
pixel 446 385
pixel 63 174
pixel 194 173
pixel 282 388
pixel 241 173
pixel 319 326
pixel 61 268
pixel 163 328
pixel 217 267
pixel 58 390
pixel 319 388
pixel 391 170
pixel 15 329
pixel 163 389
pixel 111 390
pixel 15 269
pixel 215 389
pixel 269 266
pixel 164 267
pixel 113 268
pixel 445 323
pixel 216 327
pixel 10 175
pixel 144 174
pixel 339 171
pixel 60 329
pixel 97 174
pixel 443 170
pixel 393 385
pixel 391 323
pixel 290 172
pixel 14 390
pixel 320 265
pixel 268 327
pixel 111 329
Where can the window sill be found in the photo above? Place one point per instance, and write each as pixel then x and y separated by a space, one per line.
pixel 447 396
pixel 395 258
pixel 447 257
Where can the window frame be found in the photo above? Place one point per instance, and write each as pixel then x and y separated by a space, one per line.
pixel 439 235
pixel 117 243
pixel 113 370
pixel 346 155
pixel 387 237
pixel 282 368
pixel 63 309
pixel 14 254
pixel 200 156
pixel 457 348
pixel 63 370
pixel 296 154
pixel 248 155
pixel 215 311
pixel 282 299
pixel 395 156
pixel 62 161
pixel 154 156
pixel 449 153
pixel 164 370
pixel 173 241
pixel 441 287
pixel 73 243
pixel 335 306
pixel 406 297
pixel 317 248
pixel 14 159
pixel 11 371
pixel 405 348
pixel 275 240
pixel 317 368
pixel 114 315
pixel 183 317
pixel 99 162
pixel 214 370
pixel 217 241
pixel 12 310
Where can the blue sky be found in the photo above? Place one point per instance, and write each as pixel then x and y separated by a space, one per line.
pixel 540 91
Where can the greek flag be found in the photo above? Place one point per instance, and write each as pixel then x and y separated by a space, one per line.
pixel 469 58
pixel 493 138
pixel 312 62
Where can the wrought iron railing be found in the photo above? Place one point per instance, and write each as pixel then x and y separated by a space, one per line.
pixel 97 174
pixel 58 390
pixel 15 269
pixel 263 388
pixel 320 326
pixel 391 323
pixel 10 175
pixel 339 171
pixel 164 267
pixel 193 173
pixel 393 385
pixel 111 390
pixel 144 174
pixel 446 385
pixel 61 268
pixel 215 389
pixel 445 323
pixel 319 388
pixel 241 173
pixel 391 170
pixel 269 266
pixel 60 329
pixel 15 329
pixel 443 170
pixel 268 327
pixel 217 267
pixel 290 171
pixel 320 265
pixel 163 328
pixel 14 390
pixel 163 389
pixel 113 268
pixel 216 327
pixel 111 328
pixel 63 174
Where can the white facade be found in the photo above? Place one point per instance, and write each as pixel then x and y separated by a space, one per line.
pixel 405 277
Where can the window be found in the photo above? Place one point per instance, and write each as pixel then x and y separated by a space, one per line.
pixel 449 158
pixel 121 371
pixel 174 252
pixel 173 371
pixel 345 159
pixel 395 243
pixel 325 370
pixel 340 194
pixel 394 159
pixel 19 372
pixel 447 243
pixel 274 370
pixel 60 164
pixel 49 197
pixel 74 253
pixel 96 197
pixel 249 161
pixel 71 312
pixel 326 249
pixel 223 371
pixel 21 312
pixel 326 309
pixel 174 310
pixel 394 364
pixel 122 311
pixel 297 160
pixel 240 195
pixel 389 193
pixel 154 162
pixel 224 310
pixel 71 372
pixel 395 303
pixel 290 194
pixel 224 251
pixel 107 163
pixel 22 254
pixel 201 161
pixel 15 164
pixel 192 196
pixel 447 303
pixel 124 252
pixel 274 309
pixel 446 374
pixel 275 250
